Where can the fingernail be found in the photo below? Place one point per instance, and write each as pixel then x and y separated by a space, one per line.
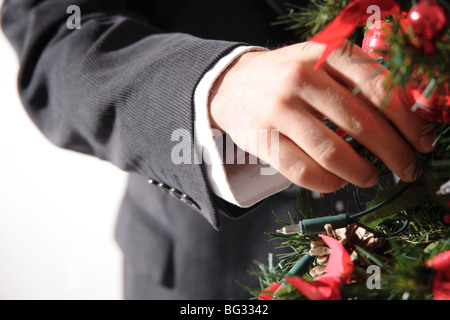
pixel 426 143
pixel 373 181
pixel 410 172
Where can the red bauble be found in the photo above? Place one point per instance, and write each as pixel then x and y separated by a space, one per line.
pixel 446 217
pixel 426 19
pixel 375 40
pixel 435 108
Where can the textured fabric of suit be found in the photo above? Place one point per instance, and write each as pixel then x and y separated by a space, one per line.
pixel 116 89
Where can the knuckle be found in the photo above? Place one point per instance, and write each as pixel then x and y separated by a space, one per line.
pixel 378 89
pixel 310 178
pixel 294 71
pixel 284 92
pixel 327 153
pixel 357 126
pixel 279 105
pixel 364 123
pixel 298 174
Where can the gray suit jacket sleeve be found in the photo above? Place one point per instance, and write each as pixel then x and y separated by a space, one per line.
pixel 116 89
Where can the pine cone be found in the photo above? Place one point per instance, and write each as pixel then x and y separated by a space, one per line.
pixel 349 237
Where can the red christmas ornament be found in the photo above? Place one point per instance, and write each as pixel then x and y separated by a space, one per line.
pixel 375 40
pixel 430 103
pixel 426 19
pixel 447 217
pixel 353 15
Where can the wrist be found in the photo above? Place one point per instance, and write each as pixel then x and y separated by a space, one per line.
pixel 223 89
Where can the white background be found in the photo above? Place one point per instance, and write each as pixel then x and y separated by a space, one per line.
pixel 57 210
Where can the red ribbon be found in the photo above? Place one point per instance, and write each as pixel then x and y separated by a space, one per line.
pixel 353 15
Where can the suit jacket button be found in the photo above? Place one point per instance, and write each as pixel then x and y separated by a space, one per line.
pixel 163 187
pixel 186 199
pixel 175 193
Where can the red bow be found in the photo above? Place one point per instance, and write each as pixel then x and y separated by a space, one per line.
pixel 353 15
pixel 327 286
pixel 441 281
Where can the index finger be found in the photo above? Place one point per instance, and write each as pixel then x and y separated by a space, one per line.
pixel 355 69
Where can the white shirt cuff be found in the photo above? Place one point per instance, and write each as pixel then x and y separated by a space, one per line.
pixel 240 184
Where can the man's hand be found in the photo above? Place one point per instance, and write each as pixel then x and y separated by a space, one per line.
pixel 280 89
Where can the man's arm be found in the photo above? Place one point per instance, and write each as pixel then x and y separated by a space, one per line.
pixel 116 89
pixel 119 87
